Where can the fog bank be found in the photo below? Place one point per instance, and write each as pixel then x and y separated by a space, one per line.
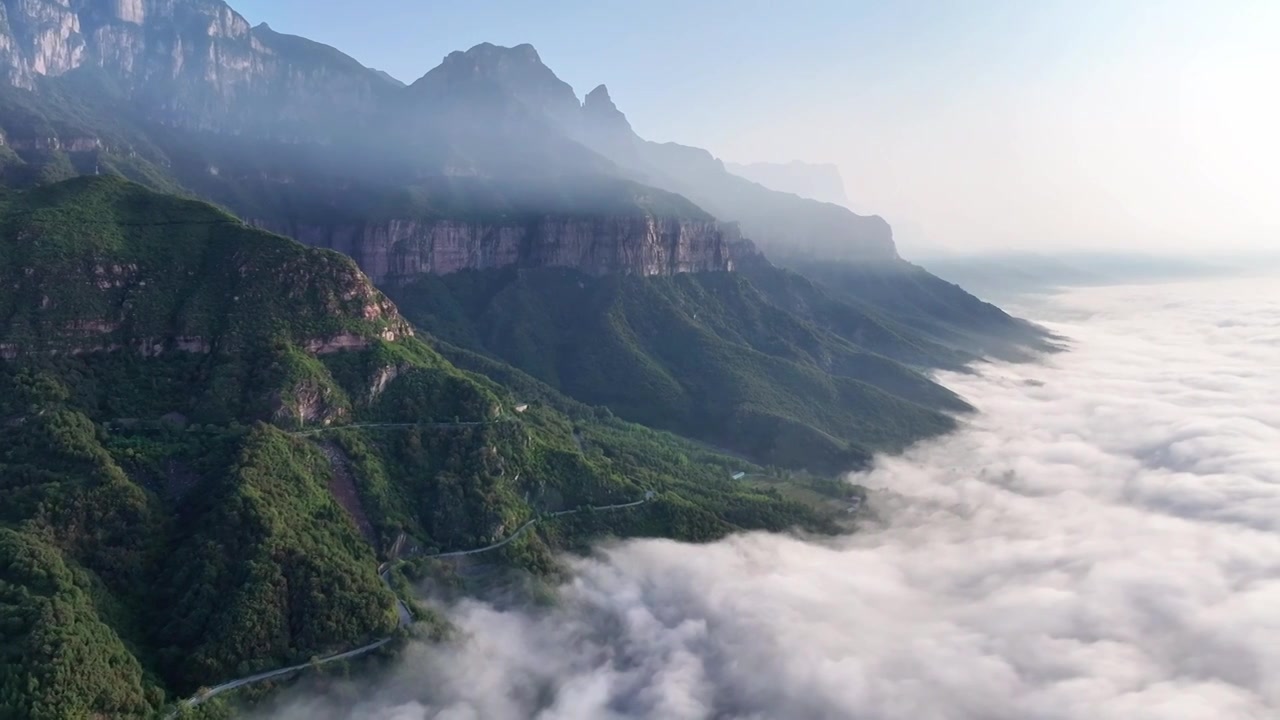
pixel 1101 542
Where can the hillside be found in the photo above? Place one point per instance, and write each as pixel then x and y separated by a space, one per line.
pixel 157 354
pixel 703 355
pixel 921 305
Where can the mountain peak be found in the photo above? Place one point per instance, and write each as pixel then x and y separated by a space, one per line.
pixel 487 54
pixel 517 71
pixel 605 126
pixel 599 98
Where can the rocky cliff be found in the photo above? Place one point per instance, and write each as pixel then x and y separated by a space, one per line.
pixel 192 63
pixel 396 250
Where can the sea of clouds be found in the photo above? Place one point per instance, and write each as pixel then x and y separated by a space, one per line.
pixel 1100 542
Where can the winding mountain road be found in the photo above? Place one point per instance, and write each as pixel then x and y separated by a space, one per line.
pixel 404 616
pixel 459 553
pixel 213 692
pixel 525 527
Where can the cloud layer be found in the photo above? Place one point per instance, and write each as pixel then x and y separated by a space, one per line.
pixel 1102 542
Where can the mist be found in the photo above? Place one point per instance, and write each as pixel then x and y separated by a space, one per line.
pixel 1102 541
pixel 1045 126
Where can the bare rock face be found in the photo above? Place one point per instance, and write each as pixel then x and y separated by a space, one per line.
pixel 194 63
pixel 39 37
pixel 634 245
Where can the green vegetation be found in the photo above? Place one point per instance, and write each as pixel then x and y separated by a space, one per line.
pixel 97 262
pixel 58 658
pixel 948 324
pixel 266 566
pixel 162 530
pixel 707 356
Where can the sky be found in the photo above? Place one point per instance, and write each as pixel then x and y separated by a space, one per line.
pixel 970 126
pixel 1101 542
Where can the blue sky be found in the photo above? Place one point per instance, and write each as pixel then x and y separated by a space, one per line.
pixel 975 124
pixel 678 65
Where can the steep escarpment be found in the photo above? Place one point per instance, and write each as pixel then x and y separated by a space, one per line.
pixel 192 63
pixel 397 250
pixel 39 37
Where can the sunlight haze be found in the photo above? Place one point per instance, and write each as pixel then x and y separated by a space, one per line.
pixel 969 126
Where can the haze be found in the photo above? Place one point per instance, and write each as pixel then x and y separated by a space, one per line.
pixel 969 126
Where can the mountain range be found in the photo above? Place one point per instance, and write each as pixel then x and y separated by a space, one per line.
pixel 268 316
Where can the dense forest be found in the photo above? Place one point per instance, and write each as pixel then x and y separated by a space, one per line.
pixel 704 355
pixel 166 526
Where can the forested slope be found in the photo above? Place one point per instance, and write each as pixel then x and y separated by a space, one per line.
pixel 704 355
pixel 164 529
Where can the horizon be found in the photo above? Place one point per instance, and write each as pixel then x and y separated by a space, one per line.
pixel 1001 127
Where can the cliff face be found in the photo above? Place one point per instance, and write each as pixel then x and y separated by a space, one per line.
pixel 400 249
pixel 39 37
pixel 192 63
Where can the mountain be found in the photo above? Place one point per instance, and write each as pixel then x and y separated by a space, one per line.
pixel 211 435
pixel 164 525
pixel 517 73
pixel 456 171
pixel 193 63
pixel 852 256
pixel 924 307
pixel 489 163
pixel 816 181
pixel 774 220
pixel 703 355
pixel 486 162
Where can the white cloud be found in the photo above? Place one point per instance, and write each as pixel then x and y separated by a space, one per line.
pixel 1102 542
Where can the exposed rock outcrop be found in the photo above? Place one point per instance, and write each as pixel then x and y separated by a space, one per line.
pixel 639 245
pixel 192 63
pixel 307 403
pixel 39 37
